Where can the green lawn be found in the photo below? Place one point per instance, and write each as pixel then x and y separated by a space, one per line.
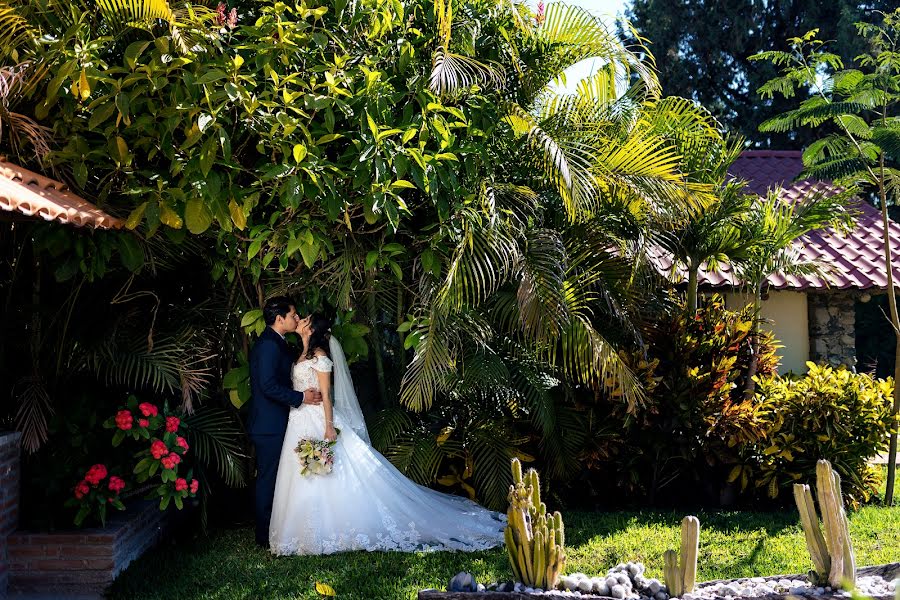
pixel 228 566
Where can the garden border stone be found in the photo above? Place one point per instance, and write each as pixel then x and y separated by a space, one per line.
pixel 888 571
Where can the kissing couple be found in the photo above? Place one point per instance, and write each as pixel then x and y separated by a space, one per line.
pixel 364 503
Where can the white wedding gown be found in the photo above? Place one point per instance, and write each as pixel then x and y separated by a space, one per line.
pixel 365 503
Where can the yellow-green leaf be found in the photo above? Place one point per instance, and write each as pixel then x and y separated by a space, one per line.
pixel 169 217
pixel 197 216
pixel 323 589
pixel 299 152
pixel 134 219
pixel 237 214
pixel 84 88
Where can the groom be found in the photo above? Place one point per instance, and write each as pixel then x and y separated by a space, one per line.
pixel 272 397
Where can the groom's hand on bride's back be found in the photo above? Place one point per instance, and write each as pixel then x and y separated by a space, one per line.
pixel 312 397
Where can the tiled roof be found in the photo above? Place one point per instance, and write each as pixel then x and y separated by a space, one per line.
pixel 31 194
pixel 851 261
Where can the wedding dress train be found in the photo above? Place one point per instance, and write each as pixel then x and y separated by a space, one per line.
pixel 365 503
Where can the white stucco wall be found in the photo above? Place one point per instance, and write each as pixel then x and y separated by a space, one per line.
pixel 788 319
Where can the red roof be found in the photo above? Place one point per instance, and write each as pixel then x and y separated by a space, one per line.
pixel 851 261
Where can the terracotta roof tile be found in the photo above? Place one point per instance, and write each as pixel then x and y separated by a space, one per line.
pixel 855 259
pixel 31 194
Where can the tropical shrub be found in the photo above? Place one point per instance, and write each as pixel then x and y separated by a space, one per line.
pixel 697 420
pixel 831 414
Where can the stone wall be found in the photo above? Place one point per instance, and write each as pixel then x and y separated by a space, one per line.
pixel 9 499
pixel 832 327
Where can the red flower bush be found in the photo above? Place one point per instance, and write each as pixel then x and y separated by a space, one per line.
pixel 160 456
pixel 124 420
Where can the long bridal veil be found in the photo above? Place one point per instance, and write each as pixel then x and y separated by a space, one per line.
pixel 345 400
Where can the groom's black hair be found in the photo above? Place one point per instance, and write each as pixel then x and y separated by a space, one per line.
pixel 278 306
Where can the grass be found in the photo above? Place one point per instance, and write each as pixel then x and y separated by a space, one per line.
pixel 228 566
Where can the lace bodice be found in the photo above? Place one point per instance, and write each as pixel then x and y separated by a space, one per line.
pixel 303 373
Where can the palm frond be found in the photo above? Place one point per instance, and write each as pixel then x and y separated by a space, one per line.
pixel 542 307
pixel 452 73
pixel 217 438
pixel 15 29
pixel 491 451
pixel 35 408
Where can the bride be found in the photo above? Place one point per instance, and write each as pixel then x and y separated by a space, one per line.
pixel 365 503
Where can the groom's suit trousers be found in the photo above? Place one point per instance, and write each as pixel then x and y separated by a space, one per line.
pixel 268 452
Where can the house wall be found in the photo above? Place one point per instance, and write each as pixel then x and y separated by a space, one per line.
pixel 832 327
pixel 786 315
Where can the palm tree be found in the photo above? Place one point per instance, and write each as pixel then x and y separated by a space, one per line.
pixel 771 232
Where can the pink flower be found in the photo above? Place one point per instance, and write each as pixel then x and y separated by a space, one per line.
pixel 96 474
pixel 158 449
pixel 172 424
pixel 144 422
pixel 147 409
pixel 182 442
pixel 82 489
pixel 170 461
pixel 232 20
pixel 116 484
pixel 540 16
pixel 181 484
pixel 195 485
pixel 124 420
pixel 220 14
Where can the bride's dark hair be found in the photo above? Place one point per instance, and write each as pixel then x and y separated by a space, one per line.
pixel 320 324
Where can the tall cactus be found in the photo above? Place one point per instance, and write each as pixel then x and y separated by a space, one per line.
pixel 535 540
pixel 681 568
pixel 831 553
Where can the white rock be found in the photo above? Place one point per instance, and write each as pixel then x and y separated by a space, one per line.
pixel 481 587
pixel 623 579
pixel 617 591
pixel 661 596
pixel 654 586
pixel 611 581
pixel 585 585
pixel 599 587
pixel 758 579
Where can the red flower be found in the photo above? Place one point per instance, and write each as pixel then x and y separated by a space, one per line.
pixel 172 424
pixel 148 410
pixel 180 484
pixel 82 489
pixel 124 420
pixel 182 442
pixel 540 17
pixel 144 422
pixel 170 461
pixel 158 449
pixel 195 485
pixel 96 474
pixel 116 484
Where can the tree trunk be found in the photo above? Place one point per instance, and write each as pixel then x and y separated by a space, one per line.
pixel 750 385
pixel 895 322
pixel 376 340
pixel 692 287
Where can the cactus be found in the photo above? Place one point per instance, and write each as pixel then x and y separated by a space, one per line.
pixel 535 540
pixel 681 568
pixel 831 553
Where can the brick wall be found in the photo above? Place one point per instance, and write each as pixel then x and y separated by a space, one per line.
pixel 9 498
pixel 84 561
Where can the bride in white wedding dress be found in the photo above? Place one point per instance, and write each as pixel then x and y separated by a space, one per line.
pixel 365 503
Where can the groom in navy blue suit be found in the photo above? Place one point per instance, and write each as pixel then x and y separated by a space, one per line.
pixel 272 397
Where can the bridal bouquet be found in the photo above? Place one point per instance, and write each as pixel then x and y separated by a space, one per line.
pixel 316 456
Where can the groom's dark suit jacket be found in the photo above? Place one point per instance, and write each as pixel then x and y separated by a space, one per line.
pixel 270 385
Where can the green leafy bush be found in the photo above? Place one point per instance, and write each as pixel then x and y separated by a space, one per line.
pixel 830 414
